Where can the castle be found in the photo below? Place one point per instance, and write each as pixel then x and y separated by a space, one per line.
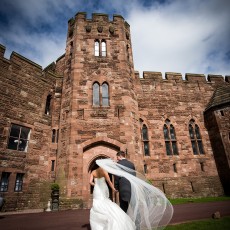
pixel 90 103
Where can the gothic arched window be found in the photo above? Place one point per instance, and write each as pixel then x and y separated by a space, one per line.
pixel 103 48
pixel 96 48
pixel 100 94
pixel 105 94
pixel 170 138
pixel 100 48
pixel 96 94
pixel 145 140
pixel 196 140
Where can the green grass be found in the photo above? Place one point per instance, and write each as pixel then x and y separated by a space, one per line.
pixel 198 200
pixel 210 224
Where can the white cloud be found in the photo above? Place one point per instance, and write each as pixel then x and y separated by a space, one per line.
pixel 189 36
pixel 179 37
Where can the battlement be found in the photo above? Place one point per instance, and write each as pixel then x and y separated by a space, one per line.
pixel 96 18
pixel 189 77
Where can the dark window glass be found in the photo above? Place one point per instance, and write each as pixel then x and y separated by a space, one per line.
pixel 168 148
pixel 19 137
pixel 166 132
pixel 174 168
pixel 200 146
pixel 196 140
pixel 18 182
pixel 52 165
pixel 174 147
pixel 145 168
pixel 194 148
pixel 170 138
pixel 48 103
pixel 4 181
pixel 145 132
pixel 53 135
pixel 96 93
pixel 146 148
pixel 172 132
pixel 191 132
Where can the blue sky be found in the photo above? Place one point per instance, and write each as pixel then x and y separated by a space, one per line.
pixel 185 36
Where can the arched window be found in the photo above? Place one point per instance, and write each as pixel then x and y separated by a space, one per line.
pixel 170 138
pixel 96 94
pixel 145 140
pixel 100 94
pixel 100 48
pixel 96 48
pixel 48 103
pixel 105 94
pixel 196 140
pixel 103 48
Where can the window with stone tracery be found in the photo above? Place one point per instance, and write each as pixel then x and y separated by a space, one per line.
pixel 100 48
pixel 100 94
pixel 170 138
pixel 195 137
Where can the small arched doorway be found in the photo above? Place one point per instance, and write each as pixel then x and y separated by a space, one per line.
pixel 94 166
pixel 97 148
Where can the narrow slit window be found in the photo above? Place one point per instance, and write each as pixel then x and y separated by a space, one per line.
pixel 48 105
pixel 53 135
pixel 145 140
pixel 52 165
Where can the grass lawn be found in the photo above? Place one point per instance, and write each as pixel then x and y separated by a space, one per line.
pixel 210 224
pixel 198 200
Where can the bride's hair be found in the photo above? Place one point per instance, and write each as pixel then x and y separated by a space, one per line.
pixel 121 153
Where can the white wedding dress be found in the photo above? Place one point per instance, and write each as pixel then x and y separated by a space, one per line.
pixel 105 214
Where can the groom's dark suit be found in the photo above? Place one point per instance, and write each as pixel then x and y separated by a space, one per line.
pixel 123 186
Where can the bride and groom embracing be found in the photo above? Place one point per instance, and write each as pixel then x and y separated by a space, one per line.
pixel 142 206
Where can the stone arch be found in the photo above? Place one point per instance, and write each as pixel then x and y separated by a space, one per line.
pixel 96 148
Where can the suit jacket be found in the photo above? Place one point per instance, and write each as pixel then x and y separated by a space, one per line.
pixel 122 184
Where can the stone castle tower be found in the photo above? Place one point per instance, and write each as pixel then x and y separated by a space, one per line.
pixel 91 103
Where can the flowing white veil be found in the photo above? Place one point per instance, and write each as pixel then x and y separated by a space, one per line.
pixel 148 208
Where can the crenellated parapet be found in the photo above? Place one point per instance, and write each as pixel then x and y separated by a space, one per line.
pixel 99 23
pixel 189 77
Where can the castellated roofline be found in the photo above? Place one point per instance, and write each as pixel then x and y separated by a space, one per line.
pixel 97 17
pixel 189 77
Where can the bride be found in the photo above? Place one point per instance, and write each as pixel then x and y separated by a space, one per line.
pixel 148 208
pixel 106 214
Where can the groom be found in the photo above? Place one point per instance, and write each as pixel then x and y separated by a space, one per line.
pixel 122 184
